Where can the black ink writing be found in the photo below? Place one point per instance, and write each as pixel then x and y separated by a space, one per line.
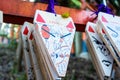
pixel 107 63
pixel 101 46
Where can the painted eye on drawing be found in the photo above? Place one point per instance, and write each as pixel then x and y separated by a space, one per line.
pixel 103 50
pixel 46 31
pixel 65 35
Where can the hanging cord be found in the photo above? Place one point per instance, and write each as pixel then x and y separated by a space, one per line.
pixel 50 7
pixel 103 8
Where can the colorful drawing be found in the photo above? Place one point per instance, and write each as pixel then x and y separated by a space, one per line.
pixel 102 53
pixel 109 45
pixel 45 32
pixel 111 26
pixel 57 34
pixel 29 69
pixel 59 45
pixel 101 46
pixel 113 34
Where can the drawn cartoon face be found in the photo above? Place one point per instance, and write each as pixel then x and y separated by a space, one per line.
pixel 57 34
pixel 58 41
pixel 101 47
pixel 45 31
pixel 100 51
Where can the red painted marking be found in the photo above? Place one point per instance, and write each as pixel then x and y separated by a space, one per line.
pixel 31 36
pixel 103 31
pixel 40 19
pixel 70 27
pixel 25 32
pixel 104 20
pixel 44 33
pixel 91 29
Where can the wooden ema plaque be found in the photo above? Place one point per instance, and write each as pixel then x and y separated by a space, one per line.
pixel 28 65
pixel 108 27
pixel 101 54
pixel 57 35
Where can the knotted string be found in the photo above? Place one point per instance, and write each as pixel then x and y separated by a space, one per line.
pixel 50 7
pixel 103 8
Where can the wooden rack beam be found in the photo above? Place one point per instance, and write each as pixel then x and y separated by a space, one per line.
pixel 16 11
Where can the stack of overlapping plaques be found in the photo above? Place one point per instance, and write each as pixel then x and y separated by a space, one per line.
pixel 103 43
pixel 108 28
pixel 25 30
pixel 48 43
pixel 53 36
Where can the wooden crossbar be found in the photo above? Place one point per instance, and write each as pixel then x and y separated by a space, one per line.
pixel 17 11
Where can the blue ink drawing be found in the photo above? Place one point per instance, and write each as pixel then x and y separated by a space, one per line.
pixel 114 34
